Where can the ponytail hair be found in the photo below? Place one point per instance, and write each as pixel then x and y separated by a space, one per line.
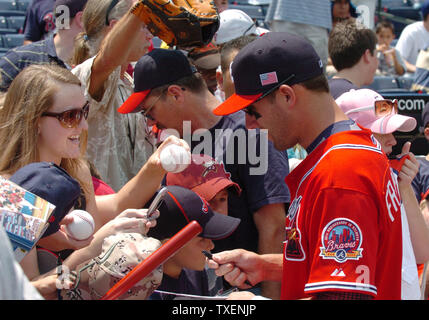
pixel 87 43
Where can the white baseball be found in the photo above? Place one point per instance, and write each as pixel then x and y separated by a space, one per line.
pixel 82 226
pixel 175 158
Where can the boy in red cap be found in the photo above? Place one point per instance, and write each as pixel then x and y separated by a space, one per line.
pixel 208 178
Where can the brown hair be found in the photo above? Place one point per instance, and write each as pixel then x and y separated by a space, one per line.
pixel 194 83
pixel 87 43
pixel 348 42
pixel 384 24
pixel 232 46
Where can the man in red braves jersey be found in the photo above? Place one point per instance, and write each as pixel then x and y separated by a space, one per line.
pixel 345 213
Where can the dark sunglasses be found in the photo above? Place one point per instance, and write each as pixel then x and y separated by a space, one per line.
pixel 250 110
pixel 70 118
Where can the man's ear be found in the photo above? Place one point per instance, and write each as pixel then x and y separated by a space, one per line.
pixel 176 92
pixel 287 94
pixel 78 20
pixel 368 55
pixel 219 79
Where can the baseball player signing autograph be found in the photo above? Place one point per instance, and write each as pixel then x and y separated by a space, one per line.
pixel 345 212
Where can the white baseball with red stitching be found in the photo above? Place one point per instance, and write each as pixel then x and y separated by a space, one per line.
pixel 175 158
pixel 82 226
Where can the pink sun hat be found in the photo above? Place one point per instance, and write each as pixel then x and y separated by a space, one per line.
pixel 359 105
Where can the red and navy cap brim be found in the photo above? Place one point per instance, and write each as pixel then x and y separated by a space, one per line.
pixel 235 103
pixel 132 103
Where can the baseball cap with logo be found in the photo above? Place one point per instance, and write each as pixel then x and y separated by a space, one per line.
pixel 156 68
pixel 359 105
pixel 204 176
pixel 180 206
pixel 52 183
pixel 235 23
pixel 269 61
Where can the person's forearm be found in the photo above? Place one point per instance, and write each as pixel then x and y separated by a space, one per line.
pixel 419 231
pixel 270 223
pixel 399 69
pixel 410 67
pixel 272 267
pixel 114 52
pixel 117 45
pixel 134 194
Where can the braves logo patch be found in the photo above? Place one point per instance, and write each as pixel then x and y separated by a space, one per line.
pixel 341 241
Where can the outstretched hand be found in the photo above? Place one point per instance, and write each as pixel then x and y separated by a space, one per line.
pixel 410 168
pixel 237 267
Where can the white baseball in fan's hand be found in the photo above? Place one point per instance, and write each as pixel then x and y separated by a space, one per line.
pixel 175 158
pixel 82 226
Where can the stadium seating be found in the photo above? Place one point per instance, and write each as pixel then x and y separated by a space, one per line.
pixel 12 40
pixel 382 83
pixel 23 5
pixel 16 23
pixel 8 5
pixel 12 19
pixel 405 82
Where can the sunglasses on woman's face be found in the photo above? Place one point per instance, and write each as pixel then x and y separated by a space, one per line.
pixel 385 107
pixel 70 118
pixel 381 108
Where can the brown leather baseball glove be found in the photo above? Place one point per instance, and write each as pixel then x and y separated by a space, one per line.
pixel 181 23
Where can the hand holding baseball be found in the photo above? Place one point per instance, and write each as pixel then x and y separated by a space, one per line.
pixel 173 155
pixel 82 227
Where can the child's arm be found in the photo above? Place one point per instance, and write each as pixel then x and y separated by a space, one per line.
pixel 399 69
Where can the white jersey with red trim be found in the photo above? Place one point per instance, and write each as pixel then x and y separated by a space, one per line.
pixel 343 229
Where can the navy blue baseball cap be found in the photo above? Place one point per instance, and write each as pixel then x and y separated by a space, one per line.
pixel 180 206
pixel 156 68
pixel 263 65
pixel 52 183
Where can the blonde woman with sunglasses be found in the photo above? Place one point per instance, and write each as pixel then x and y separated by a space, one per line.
pixel 372 111
pixel 43 118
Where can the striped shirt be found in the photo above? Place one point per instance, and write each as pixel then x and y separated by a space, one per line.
pixel 16 59
pixel 312 12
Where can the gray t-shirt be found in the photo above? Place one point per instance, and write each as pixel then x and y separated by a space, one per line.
pixel 14 285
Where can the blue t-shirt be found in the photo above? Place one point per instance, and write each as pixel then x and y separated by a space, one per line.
pixel 338 86
pixel 39 20
pixel 258 189
pixel 420 182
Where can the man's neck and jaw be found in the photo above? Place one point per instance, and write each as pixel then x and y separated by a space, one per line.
pixel 64 44
pixel 320 112
pixel 354 75
pixel 426 24
pixel 200 111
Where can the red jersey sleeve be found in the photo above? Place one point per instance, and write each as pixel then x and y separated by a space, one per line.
pixel 343 248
